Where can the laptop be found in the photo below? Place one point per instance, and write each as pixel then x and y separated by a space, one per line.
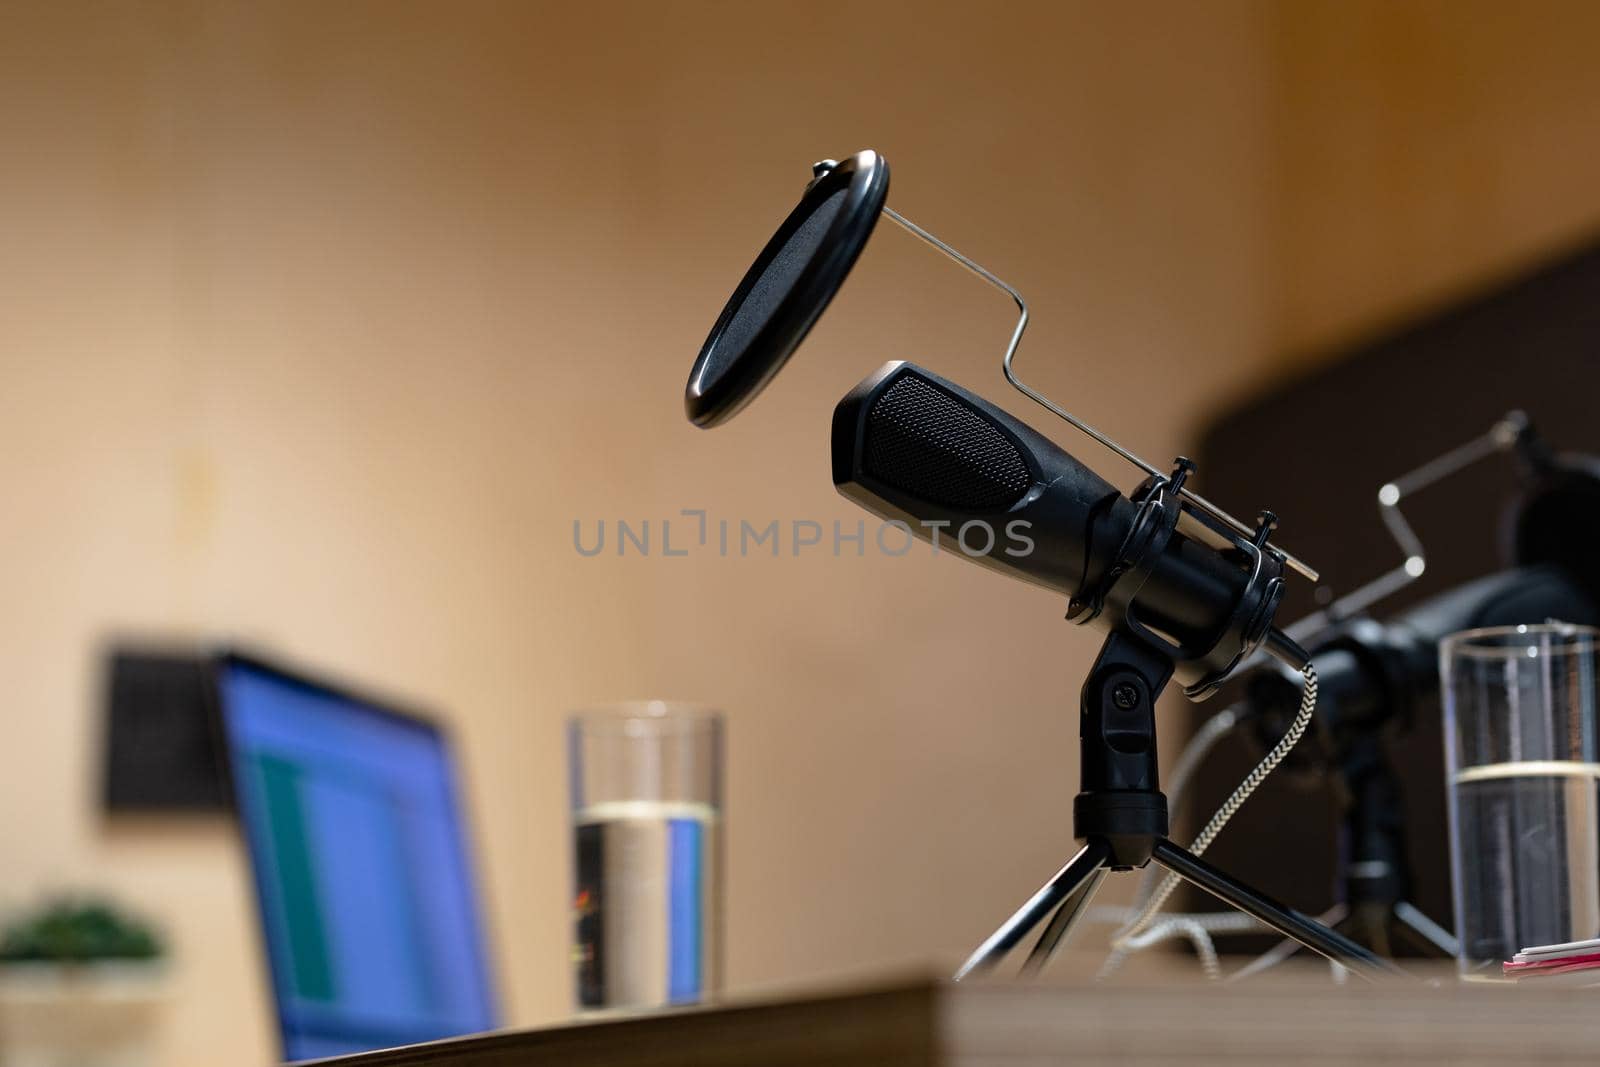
pixel 351 814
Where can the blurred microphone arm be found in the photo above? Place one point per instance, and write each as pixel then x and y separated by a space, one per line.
pixel 1511 432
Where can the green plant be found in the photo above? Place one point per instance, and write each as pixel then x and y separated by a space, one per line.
pixel 69 930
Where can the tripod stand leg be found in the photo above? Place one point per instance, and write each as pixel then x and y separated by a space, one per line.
pixel 1422 931
pixel 1090 859
pixel 1285 948
pixel 1307 931
pixel 1062 922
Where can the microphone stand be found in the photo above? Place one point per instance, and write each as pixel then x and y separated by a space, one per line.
pixel 1126 827
pixel 1374 874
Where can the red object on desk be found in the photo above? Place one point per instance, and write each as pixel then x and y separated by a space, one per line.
pixel 1587 961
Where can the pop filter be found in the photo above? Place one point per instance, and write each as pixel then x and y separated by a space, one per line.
pixel 787 287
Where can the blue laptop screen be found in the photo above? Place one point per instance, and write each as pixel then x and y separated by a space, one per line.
pixel 361 865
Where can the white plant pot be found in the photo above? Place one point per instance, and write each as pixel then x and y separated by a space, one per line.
pixel 81 1015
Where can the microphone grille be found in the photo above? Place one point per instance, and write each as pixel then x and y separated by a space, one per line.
pixel 921 440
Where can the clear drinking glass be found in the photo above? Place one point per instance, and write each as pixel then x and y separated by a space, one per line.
pixel 646 783
pixel 1524 775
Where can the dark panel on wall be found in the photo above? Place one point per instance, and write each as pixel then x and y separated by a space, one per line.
pixel 161 753
pixel 1316 450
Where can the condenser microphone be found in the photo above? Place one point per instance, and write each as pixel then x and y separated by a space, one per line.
pixel 1164 568
pixel 920 451
pixel 1375 673
pixel 1183 589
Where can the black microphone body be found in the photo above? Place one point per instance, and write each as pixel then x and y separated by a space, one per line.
pixel 1372 674
pixel 916 449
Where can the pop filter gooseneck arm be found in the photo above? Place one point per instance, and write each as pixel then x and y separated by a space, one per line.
pixel 823 167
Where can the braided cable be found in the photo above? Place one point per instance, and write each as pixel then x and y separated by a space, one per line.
pixel 1194 753
pixel 1308 703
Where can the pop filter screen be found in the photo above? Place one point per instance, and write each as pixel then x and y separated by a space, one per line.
pixel 787 288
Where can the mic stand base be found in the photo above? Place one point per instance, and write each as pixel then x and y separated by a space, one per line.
pixel 1374 875
pixel 1121 817
pixel 1378 927
pixel 1067 895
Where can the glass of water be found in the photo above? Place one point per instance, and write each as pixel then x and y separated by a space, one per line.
pixel 1523 760
pixel 646 784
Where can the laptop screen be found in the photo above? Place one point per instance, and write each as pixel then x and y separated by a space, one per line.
pixel 355 833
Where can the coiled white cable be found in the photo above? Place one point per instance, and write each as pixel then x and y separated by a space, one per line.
pixel 1198 928
pixel 1123 940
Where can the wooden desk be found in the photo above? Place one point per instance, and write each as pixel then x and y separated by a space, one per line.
pixel 1294 1020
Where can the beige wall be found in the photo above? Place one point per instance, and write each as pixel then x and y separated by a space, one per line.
pixel 320 324
pixel 1422 150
